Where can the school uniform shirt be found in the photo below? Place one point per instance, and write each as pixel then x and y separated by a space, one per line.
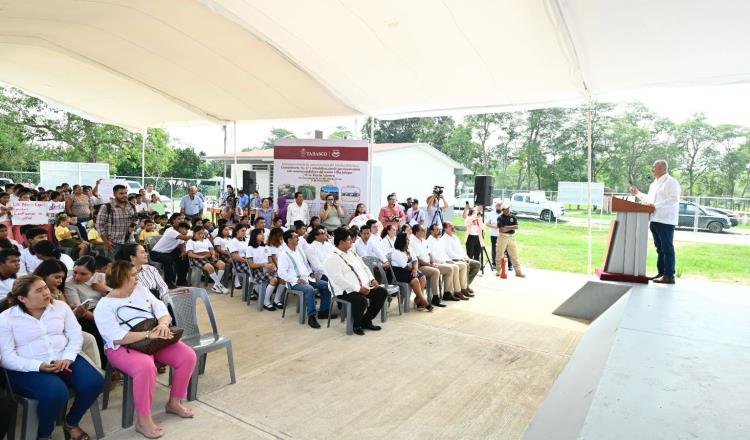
pixel 106 314
pixel 386 245
pixel 238 246
pixel 6 284
pixel 29 261
pixel 197 247
pixel 317 253
pixel 168 242
pixel 27 342
pixel 143 236
pixel 400 259
pixel 77 293
pixel 221 243
pixel 258 254
pixel 361 248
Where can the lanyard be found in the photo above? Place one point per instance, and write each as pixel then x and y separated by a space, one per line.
pixel 294 263
pixel 359 280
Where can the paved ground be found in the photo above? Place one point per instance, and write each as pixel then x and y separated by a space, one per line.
pixel 477 369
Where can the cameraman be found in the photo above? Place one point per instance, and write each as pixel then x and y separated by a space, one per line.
pixel 433 207
pixel 392 213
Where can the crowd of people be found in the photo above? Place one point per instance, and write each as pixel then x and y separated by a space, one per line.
pixel 63 319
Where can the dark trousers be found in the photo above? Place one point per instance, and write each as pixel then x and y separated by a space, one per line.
pixel 473 248
pixel 173 265
pixel 7 410
pixel 663 240
pixel 361 312
pixel 89 326
pixel 51 390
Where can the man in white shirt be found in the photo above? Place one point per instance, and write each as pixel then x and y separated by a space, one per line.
pixel 492 224
pixel 301 229
pixel 353 281
pixel 664 196
pixel 360 246
pixel 418 248
pixel 294 270
pixel 457 253
pixel 10 263
pixel 29 261
pixel 455 280
pixel 318 250
pixel 298 210
pixel 374 247
pixel 167 251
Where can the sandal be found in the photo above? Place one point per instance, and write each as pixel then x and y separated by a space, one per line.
pixel 81 436
pixel 185 414
pixel 156 433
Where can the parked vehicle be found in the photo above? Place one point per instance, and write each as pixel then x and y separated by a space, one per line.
pixel 534 203
pixel 461 200
pixel 133 187
pixel 707 218
pixel 734 219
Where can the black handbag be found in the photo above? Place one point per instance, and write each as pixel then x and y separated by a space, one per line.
pixel 148 346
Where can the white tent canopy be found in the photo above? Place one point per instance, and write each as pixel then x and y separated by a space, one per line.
pixel 141 63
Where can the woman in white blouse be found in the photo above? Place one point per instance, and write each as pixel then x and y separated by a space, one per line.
pixel 388 239
pixel 40 342
pixel 110 313
pixel 237 248
pixel 406 269
pixel 148 275
pixel 221 243
pixel 261 266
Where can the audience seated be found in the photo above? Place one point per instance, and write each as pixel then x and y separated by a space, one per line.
pixel 148 275
pixel 83 289
pixel 418 248
pixel 406 270
pixel 201 254
pixel 10 264
pixel 454 250
pixel 45 250
pixel 262 269
pixel 318 249
pixel 456 286
pixel 294 269
pixel 40 342
pixel 130 302
pixel 238 250
pixel 169 251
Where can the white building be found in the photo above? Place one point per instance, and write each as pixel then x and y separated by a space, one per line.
pixel 408 169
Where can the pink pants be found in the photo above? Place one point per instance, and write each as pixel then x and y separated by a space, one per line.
pixel 141 368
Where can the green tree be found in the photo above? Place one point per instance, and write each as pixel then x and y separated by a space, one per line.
pixel 697 141
pixel 277 133
pixel 340 133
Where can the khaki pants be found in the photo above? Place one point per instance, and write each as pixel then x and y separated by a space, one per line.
pixel 451 279
pixel 433 278
pixel 507 242
pixel 463 270
pixel 473 267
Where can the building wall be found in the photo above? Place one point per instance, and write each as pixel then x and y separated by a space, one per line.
pixel 411 172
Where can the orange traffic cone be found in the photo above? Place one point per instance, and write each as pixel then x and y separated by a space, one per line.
pixel 503 263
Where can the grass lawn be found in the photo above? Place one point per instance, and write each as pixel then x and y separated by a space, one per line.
pixel 584 214
pixel 745 226
pixel 564 248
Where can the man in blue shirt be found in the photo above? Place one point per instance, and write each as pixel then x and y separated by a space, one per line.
pixel 242 202
pixel 191 205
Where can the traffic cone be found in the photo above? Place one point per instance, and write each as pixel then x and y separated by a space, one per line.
pixel 503 263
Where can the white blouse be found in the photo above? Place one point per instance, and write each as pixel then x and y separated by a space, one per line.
pixel 27 342
pixel 239 246
pixel 197 247
pixel 400 259
pixel 106 315
pixel 259 254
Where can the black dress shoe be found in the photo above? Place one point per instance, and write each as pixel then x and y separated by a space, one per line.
pixel 324 315
pixel 447 296
pixel 278 305
pixel 658 275
pixel 359 331
pixel 370 326
pixel 436 302
pixel 312 322
pixel 270 308
pixel 665 280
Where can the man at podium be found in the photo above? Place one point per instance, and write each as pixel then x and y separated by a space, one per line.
pixel 664 196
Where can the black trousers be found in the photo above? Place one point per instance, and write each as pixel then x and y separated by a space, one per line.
pixel 7 410
pixel 173 265
pixel 473 247
pixel 361 312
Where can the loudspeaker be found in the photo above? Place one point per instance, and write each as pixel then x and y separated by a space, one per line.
pixel 483 190
pixel 248 182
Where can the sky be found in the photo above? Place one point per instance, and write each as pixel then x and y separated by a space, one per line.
pixel 721 105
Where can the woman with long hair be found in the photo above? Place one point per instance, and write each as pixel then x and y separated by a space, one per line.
pixel 262 268
pixel 148 275
pixel 83 290
pixel 406 269
pixel 201 254
pixel 40 342
pixel 131 302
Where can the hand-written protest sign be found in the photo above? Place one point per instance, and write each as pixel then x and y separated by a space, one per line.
pixel 105 188
pixel 35 213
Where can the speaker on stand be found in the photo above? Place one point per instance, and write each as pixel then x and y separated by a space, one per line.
pixel 483 196
pixel 249 184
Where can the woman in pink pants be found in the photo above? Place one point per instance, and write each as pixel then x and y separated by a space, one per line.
pixel 128 300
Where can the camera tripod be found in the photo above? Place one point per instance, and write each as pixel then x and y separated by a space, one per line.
pixel 438 211
pixel 483 254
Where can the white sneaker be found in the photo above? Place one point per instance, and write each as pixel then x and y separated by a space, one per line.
pixel 218 288
pixel 223 288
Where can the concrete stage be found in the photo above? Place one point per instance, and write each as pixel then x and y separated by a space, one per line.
pixel 479 369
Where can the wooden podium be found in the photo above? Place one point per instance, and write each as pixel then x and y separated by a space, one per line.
pixel 625 255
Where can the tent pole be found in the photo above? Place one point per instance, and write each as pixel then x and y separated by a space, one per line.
pixel 234 140
pixel 589 135
pixel 224 181
pixel 143 158
pixel 369 159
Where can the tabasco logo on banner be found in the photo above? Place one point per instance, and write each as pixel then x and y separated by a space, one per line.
pixel 320 153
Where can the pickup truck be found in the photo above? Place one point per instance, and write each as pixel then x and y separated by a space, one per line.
pixel 534 203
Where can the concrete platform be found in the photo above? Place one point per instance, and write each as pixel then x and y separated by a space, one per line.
pixel 665 362
pixel 477 369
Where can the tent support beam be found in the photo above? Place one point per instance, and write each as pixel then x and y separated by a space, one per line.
pixel 143 157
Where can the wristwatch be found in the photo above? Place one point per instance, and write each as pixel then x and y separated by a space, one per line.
pixel 148 334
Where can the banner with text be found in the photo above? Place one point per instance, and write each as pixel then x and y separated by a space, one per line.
pixel 318 167
pixel 35 213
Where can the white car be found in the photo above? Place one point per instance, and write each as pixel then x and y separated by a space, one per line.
pixel 534 203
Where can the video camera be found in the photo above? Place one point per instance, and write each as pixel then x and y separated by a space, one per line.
pixel 438 190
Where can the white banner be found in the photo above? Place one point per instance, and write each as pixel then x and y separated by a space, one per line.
pixel 577 193
pixel 35 213
pixel 105 188
pixel 318 167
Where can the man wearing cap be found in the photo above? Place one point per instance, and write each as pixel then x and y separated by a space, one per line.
pixel 507 224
